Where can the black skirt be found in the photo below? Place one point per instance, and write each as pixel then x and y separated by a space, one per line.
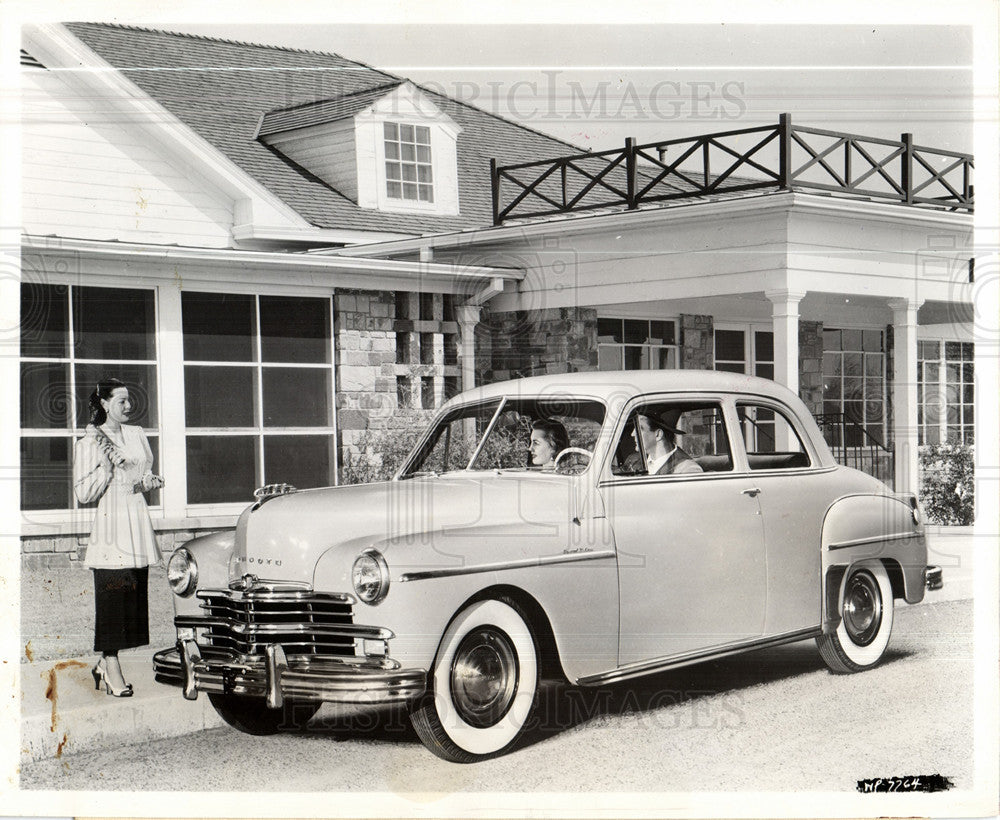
pixel 121 600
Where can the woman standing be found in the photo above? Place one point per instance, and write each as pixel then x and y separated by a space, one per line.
pixel 112 466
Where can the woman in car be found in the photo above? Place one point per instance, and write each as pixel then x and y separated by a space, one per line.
pixel 548 439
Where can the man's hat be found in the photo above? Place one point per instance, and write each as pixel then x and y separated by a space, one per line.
pixel 665 418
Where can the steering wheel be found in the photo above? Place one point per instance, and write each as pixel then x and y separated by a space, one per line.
pixel 574 466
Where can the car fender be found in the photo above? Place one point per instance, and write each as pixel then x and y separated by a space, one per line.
pixel 872 526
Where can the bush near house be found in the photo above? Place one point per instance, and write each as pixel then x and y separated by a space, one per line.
pixel 947 488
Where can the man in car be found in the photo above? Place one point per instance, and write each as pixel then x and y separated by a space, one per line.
pixel 657 429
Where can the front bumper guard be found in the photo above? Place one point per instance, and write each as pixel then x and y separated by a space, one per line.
pixel 276 677
pixel 933 577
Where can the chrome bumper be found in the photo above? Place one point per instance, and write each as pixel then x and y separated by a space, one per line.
pixel 275 677
pixel 933 577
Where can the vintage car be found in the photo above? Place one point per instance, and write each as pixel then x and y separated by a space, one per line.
pixel 490 562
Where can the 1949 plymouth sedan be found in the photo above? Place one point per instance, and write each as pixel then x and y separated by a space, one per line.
pixel 594 527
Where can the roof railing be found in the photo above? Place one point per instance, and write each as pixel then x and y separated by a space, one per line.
pixel 776 157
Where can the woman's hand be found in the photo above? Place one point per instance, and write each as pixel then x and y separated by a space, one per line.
pixel 151 481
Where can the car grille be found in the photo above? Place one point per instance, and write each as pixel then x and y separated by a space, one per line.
pixel 302 622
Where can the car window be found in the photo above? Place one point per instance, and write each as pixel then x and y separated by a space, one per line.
pixel 771 440
pixel 567 429
pixel 696 430
pixel 499 435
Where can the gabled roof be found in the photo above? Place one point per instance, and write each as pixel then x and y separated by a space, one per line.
pixel 222 89
pixel 317 113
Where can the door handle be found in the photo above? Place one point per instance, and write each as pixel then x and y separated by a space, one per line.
pixel 753 492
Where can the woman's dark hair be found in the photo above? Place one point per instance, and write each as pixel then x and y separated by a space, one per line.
pixel 105 387
pixel 554 431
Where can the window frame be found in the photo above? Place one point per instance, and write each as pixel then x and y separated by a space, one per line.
pixel 52 515
pixel 646 346
pixel 794 425
pixel 942 389
pixel 882 427
pixel 258 430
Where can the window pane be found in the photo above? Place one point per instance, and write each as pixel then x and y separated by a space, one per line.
pixel 219 396
pixel 295 329
pixel 44 320
pixel 831 389
pixel 871 341
pixel 113 323
pixel 409 190
pixel 852 340
pixel 218 327
pixel 636 332
pixel 733 367
pixel 661 333
pixel 391 152
pixel 633 358
pixel 425 193
pixel 609 330
pixel 406 133
pixel 666 358
pixel 765 371
pixel 221 468
pixel 45 396
pixel 409 173
pixel 391 131
pixel 423 153
pixel 423 134
pixel 953 351
pixel 873 366
pixel 831 340
pixel 46 475
pixel 424 173
pixel 140 380
pixel 929 350
pixel 831 364
pixel 408 153
pixel 609 358
pixel 302 461
pixel 392 171
pixel 394 189
pixel 853 364
pixel 729 346
pixel 764 346
pixel 297 397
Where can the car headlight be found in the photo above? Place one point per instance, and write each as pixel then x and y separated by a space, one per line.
pixel 182 573
pixel 370 576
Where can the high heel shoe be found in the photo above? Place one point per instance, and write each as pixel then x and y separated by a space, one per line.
pixel 100 676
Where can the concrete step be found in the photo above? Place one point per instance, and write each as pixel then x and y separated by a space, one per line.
pixel 62 713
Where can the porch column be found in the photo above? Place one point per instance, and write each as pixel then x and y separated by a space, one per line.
pixel 785 323
pixel 904 392
pixel 785 318
pixel 467 317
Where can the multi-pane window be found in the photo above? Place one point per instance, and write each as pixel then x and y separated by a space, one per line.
pixel 72 337
pixel 636 344
pixel 258 394
pixel 854 383
pixel 408 171
pixel 945 392
pixel 735 349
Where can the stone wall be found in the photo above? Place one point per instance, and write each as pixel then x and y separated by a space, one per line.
pixel 54 550
pixel 811 365
pixel 697 342
pixel 522 343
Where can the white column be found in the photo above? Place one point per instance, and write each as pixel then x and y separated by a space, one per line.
pixel 785 317
pixel 904 392
pixel 173 453
pixel 468 318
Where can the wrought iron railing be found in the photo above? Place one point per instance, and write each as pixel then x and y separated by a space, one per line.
pixel 781 157
pixel 853 445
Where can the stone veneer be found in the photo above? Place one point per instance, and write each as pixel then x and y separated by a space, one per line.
pixel 697 342
pixel 522 343
pixel 811 365
pixel 46 550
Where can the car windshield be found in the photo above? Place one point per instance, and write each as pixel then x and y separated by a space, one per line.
pixel 551 434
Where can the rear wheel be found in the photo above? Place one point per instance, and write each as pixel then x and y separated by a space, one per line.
pixel 866 610
pixel 251 715
pixel 483 684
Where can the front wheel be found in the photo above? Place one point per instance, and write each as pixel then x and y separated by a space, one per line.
pixel 866 611
pixel 251 715
pixel 483 684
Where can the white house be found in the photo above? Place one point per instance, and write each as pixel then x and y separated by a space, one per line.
pixel 275 247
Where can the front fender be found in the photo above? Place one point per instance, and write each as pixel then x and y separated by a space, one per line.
pixel 211 553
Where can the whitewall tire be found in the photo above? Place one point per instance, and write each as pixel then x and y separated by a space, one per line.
pixel 866 610
pixel 482 688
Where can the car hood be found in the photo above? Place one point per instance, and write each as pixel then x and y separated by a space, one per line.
pixel 418 524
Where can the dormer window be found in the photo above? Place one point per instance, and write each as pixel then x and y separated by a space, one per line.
pixel 409 173
pixel 389 148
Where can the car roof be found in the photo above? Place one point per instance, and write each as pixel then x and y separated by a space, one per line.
pixel 623 384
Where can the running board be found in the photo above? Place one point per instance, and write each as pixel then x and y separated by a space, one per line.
pixel 634 670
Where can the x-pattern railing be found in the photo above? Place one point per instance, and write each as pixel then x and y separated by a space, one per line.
pixel 779 157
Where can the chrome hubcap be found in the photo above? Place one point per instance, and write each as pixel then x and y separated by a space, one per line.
pixel 862 608
pixel 484 676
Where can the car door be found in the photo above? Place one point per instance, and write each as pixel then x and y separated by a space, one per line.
pixel 692 572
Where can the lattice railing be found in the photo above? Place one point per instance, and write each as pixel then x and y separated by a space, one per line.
pixel 779 157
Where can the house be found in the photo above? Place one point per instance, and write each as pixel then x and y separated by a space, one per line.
pixel 276 247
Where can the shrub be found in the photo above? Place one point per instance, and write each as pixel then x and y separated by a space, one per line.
pixel 377 454
pixel 947 483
